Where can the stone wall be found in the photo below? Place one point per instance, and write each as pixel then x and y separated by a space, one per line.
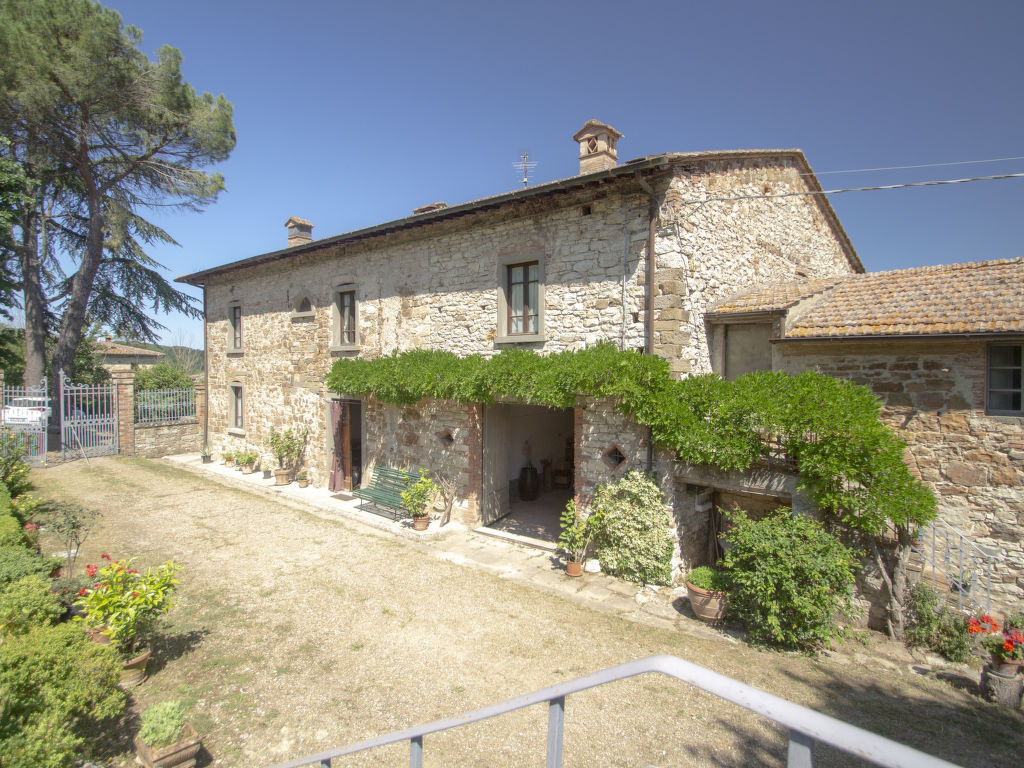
pixel 168 437
pixel 933 393
pixel 438 286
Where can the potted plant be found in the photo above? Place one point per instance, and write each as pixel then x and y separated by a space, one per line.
pixel 415 499
pixel 1006 647
pixel 578 531
pixel 708 591
pixel 247 460
pixel 287 447
pixel 302 478
pixel 229 458
pixel 165 738
pixel 205 455
pixel 122 607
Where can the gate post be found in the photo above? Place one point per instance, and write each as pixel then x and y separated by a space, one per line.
pixel 124 386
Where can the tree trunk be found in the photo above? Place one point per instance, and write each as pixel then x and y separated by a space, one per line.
pixel 893 569
pixel 35 307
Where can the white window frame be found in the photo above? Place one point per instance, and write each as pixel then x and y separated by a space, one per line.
pixel 337 344
pixel 988 380
pixel 503 336
pixel 236 329
pixel 236 400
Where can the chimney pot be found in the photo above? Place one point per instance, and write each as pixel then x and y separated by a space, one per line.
pixel 598 150
pixel 300 231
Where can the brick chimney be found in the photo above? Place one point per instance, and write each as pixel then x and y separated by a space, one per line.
pixel 300 231
pixel 597 146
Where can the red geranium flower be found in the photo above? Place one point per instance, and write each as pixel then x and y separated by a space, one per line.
pixel 83 591
pixel 31 527
pixel 105 556
pixel 90 570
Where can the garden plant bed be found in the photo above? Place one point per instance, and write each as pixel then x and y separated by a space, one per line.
pixel 293 634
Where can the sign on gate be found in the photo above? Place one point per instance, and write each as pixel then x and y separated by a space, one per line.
pixel 26 412
pixel 88 419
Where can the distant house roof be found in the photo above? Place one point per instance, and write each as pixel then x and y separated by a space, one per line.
pixel 115 349
pixel 983 297
pixel 650 163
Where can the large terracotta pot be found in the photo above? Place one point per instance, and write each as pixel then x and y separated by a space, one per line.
pixel 282 476
pixel 421 523
pixel 1002 667
pixel 133 671
pixel 180 754
pixel 707 605
pixel 574 568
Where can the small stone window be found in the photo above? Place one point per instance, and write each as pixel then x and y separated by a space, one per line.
pixel 236 408
pixel 1005 380
pixel 302 309
pixel 446 438
pixel 613 457
pixel 235 327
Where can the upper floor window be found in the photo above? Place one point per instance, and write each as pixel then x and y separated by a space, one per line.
pixel 523 281
pixel 345 318
pixel 235 323
pixel 1005 374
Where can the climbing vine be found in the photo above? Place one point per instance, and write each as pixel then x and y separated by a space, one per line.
pixel 850 463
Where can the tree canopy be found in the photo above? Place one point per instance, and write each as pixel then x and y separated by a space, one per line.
pixel 101 133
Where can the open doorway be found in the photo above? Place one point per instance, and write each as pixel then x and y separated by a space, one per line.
pixel 346 420
pixel 528 470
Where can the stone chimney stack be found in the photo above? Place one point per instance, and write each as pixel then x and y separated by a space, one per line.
pixel 300 231
pixel 597 146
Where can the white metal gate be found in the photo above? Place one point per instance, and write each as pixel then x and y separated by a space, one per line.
pixel 26 412
pixel 88 419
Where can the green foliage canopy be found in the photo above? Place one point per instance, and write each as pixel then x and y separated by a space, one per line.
pixel 162 376
pixel 849 461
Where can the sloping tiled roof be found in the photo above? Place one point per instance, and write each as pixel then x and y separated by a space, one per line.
pixel 772 298
pixel 979 297
pixel 114 348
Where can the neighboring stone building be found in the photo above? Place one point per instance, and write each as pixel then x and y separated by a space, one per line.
pixel 117 356
pixel 942 347
pixel 633 254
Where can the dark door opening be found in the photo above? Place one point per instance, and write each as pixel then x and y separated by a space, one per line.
pixel 347 430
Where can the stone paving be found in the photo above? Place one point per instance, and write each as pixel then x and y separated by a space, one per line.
pixel 542 570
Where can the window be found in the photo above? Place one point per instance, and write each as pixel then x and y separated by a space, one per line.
pixel 345 320
pixel 235 323
pixel 520 299
pixel 236 409
pixel 1005 372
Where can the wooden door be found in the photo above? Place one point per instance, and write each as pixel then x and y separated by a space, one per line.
pixel 495 463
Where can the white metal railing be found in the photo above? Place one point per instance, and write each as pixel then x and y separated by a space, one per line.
pixel 164 405
pixel 806 726
pixel 951 557
pixel 25 418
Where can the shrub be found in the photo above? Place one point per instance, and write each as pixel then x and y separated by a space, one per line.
pixel 73 524
pixel 57 685
pixel 11 532
pixel 416 497
pixel 27 603
pixel 578 531
pixel 634 540
pixel 13 469
pixel 706 577
pixel 16 562
pixel 161 724
pixel 1015 620
pixel 789 578
pixel 66 589
pixel 936 629
pixel 162 376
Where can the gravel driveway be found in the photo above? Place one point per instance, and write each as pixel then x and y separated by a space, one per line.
pixel 294 634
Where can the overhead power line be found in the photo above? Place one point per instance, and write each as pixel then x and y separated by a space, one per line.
pixel 857 189
pixel 923 165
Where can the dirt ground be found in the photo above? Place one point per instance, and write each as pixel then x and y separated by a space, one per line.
pixel 293 634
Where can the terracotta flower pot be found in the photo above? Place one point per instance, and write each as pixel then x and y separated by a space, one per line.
pixel 282 476
pixel 98 635
pixel 134 669
pixel 181 753
pixel 707 605
pixel 1003 666
pixel 574 568
pixel 420 523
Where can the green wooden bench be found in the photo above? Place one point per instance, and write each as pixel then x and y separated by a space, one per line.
pixel 385 489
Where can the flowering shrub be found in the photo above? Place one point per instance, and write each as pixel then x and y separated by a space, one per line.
pixel 124 603
pixel 1007 645
pixel 634 532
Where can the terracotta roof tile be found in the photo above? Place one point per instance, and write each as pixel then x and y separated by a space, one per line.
pixel 114 348
pixel 772 298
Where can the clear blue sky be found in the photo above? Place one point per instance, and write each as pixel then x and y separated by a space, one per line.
pixel 351 114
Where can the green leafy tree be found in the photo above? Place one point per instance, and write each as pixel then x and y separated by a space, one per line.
pixel 102 132
pixel 162 376
pixel 634 537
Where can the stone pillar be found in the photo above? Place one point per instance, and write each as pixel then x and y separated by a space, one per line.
pixel 125 383
pixel 474 477
pixel 201 412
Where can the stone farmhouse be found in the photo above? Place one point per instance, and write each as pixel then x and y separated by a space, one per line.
pixel 115 356
pixel 650 254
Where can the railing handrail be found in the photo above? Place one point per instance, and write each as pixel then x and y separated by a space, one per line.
pixel 800 720
pixel 964 538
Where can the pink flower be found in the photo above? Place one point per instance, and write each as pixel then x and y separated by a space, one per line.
pixel 105 556
pixel 31 527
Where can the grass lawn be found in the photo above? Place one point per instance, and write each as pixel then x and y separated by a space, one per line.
pixel 293 634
